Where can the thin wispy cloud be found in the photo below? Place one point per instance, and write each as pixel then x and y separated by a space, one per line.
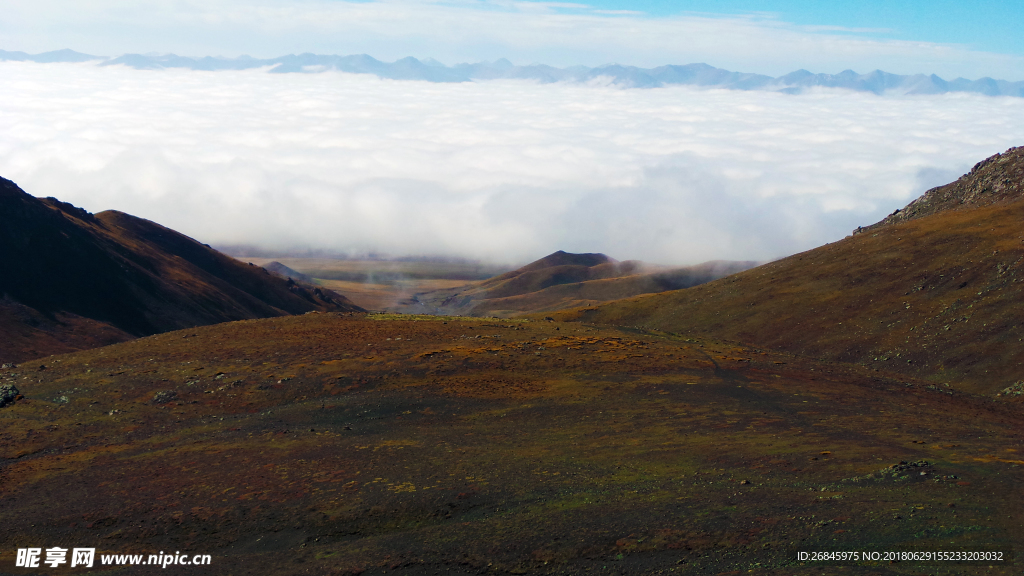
pixel 561 34
pixel 503 170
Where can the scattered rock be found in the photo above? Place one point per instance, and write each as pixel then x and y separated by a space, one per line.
pixel 164 396
pixel 903 466
pixel 8 394
pixel 1016 389
pixel 901 471
pixel 6 366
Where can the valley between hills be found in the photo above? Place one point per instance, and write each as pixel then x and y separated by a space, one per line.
pixel 575 416
pixel 558 281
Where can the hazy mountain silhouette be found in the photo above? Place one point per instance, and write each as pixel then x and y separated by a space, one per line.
pixel 64 55
pixel 430 70
pixel 287 273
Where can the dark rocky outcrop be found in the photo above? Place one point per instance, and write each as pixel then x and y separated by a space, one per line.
pixel 8 394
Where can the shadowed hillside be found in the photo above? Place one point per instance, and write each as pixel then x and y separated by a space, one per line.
pixel 562 280
pixel 74 280
pixel 937 293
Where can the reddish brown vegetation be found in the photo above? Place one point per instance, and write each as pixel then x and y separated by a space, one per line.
pixel 329 443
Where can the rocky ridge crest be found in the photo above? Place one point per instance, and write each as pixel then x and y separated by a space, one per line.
pixel 998 179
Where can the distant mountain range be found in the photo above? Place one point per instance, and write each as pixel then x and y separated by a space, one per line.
pixel 703 75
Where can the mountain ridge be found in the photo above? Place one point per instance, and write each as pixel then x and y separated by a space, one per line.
pixel 72 279
pixel 428 69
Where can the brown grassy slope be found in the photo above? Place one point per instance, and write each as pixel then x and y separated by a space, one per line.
pixel 130 275
pixel 26 333
pixel 554 269
pixel 563 258
pixel 998 179
pixel 604 289
pixel 563 280
pixel 940 296
pixel 333 444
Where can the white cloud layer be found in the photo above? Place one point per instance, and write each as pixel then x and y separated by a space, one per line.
pixel 505 170
pixel 560 34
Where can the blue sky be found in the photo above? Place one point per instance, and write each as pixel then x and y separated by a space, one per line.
pixel 945 37
pixel 989 25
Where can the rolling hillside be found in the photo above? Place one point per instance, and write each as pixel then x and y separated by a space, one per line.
pixel 562 280
pixel 74 280
pixel 414 446
pixel 392 444
pixel 935 290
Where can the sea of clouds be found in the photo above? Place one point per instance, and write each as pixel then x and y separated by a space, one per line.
pixel 506 171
